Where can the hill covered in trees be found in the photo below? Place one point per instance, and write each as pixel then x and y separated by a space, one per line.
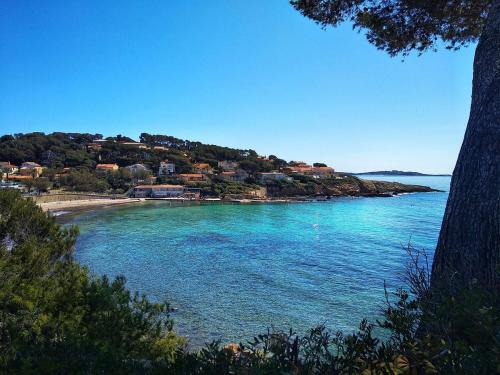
pixel 69 161
pixel 58 150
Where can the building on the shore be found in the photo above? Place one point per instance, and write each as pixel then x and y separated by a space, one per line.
pixel 192 177
pixel 192 193
pixel 273 176
pixel 106 167
pixel 226 165
pixel 137 168
pixel 6 167
pixel 31 168
pixel 158 191
pixel 203 168
pixel 166 168
pixel 239 175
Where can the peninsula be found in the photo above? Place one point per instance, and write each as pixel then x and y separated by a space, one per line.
pixel 73 166
pixel 399 173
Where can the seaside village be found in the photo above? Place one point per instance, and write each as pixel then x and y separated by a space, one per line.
pixel 165 181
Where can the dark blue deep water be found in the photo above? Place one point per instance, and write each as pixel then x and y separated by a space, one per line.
pixel 233 270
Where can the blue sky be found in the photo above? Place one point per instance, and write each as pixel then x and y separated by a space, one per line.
pixel 248 74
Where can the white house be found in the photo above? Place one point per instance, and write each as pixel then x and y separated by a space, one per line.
pixel 158 191
pixel 166 168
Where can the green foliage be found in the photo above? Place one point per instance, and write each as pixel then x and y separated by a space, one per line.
pixel 120 181
pixel 197 150
pixel 56 318
pixel 83 180
pixel 53 150
pixel 220 187
pixel 41 184
pixel 399 26
pixel 253 166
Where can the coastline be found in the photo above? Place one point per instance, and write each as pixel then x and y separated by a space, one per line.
pixel 65 208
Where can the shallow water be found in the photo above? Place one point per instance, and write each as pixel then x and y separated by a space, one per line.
pixel 232 270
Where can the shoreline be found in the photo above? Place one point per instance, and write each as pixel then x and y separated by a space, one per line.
pixel 65 208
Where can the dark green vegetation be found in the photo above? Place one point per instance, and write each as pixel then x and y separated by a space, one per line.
pixel 401 26
pixel 59 150
pixel 468 248
pixel 57 318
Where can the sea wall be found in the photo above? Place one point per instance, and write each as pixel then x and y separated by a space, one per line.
pixel 70 196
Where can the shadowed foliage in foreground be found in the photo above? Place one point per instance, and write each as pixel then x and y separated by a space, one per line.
pixel 57 318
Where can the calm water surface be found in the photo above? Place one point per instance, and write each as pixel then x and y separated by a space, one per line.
pixel 232 270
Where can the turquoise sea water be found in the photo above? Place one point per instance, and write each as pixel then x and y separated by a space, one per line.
pixel 232 270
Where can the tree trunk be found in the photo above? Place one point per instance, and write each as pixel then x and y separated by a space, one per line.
pixel 468 249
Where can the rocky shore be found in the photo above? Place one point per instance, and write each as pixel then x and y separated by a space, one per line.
pixel 344 186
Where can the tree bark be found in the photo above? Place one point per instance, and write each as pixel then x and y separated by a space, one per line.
pixel 468 250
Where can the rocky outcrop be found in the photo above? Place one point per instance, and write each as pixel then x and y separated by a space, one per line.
pixel 342 186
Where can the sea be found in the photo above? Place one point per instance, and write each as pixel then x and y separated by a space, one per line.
pixel 232 271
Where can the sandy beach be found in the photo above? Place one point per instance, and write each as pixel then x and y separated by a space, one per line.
pixel 85 204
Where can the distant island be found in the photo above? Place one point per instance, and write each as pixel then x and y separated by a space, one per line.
pixel 399 173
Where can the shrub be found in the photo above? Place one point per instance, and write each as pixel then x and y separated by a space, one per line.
pixel 57 318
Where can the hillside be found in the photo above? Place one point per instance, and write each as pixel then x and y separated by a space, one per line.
pixel 88 162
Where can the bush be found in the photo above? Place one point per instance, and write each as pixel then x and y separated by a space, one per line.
pixel 83 180
pixel 56 317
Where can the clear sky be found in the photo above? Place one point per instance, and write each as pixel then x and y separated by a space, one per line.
pixel 247 74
